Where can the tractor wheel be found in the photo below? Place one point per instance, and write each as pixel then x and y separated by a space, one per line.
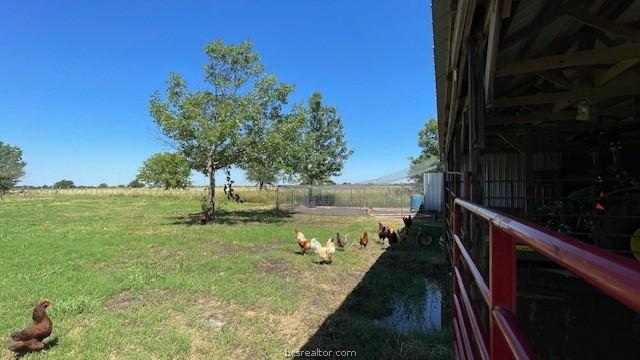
pixel 635 244
pixel 425 238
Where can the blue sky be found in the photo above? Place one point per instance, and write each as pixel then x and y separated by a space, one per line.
pixel 76 77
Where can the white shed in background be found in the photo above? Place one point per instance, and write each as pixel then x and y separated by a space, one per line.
pixel 433 190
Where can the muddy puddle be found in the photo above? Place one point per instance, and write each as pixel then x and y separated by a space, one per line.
pixel 416 313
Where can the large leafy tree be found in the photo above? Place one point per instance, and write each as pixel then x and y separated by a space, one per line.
pixel 273 135
pixel 211 127
pixel 166 170
pixel 11 166
pixel 323 148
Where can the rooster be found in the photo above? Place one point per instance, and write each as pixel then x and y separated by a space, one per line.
pixel 304 244
pixel 364 240
pixel 382 232
pixel 340 241
pixel 30 339
pixel 392 236
pixel 407 221
pixel 324 252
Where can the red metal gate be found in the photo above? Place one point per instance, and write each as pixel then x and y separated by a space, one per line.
pixel 616 276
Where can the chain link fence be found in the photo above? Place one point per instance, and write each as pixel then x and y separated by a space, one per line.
pixel 391 200
pixel 379 200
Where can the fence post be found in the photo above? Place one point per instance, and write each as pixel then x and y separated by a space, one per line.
pixel 351 197
pixel 401 208
pixel 502 286
pixel 277 200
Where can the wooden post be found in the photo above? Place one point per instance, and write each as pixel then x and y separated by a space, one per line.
pixel 528 172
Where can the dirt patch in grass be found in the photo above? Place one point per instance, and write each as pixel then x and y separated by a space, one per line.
pixel 221 248
pixel 121 302
pixel 128 300
pixel 275 268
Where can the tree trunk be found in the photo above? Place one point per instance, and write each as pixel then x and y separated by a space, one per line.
pixel 261 185
pixel 210 213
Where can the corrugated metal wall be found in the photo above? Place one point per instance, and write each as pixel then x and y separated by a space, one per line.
pixel 504 177
pixel 433 190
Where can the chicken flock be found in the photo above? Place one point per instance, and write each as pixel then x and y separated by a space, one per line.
pixel 387 237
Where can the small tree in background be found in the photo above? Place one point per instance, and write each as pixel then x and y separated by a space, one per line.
pixel 166 170
pixel 64 184
pixel 323 148
pixel 261 176
pixel 428 138
pixel 103 185
pixel 135 183
pixel 430 149
pixel 11 167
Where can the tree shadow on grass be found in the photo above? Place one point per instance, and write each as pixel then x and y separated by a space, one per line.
pixel 364 322
pixel 234 217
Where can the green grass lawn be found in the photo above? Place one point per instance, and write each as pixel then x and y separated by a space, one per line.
pixel 132 277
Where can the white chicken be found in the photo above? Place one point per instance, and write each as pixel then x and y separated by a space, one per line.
pixel 324 252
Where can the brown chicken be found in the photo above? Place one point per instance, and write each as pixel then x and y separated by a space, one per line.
pixel 364 240
pixel 30 339
pixel 305 245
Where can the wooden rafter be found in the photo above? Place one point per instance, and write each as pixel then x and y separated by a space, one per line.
pixel 584 74
pixel 550 8
pixel 616 70
pixel 517 147
pixel 559 46
pixel 464 17
pixel 506 8
pixel 546 116
pixel 610 9
pixel 528 30
pixel 556 78
pixel 493 42
pixel 578 58
pixel 592 95
pixel 604 24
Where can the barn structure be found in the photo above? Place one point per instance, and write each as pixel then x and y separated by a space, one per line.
pixel 539 121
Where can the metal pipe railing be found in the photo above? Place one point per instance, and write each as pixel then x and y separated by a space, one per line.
pixel 478 339
pixel 616 276
pixel 473 269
